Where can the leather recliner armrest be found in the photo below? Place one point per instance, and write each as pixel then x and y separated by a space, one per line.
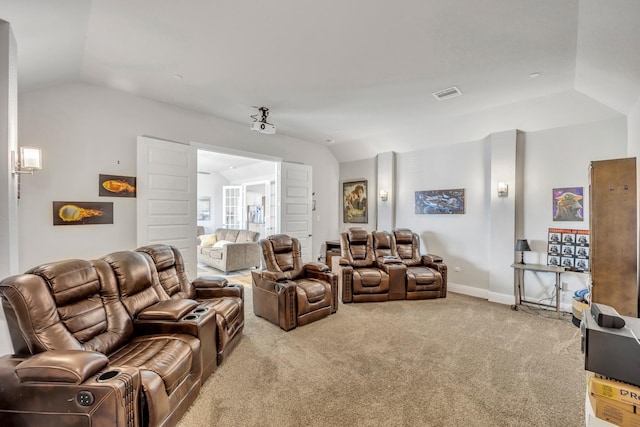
pixel 63 366
pixel 431 258
pixel 216 287
pixel 228 291
pixel 275 276
pixel 173 310
pixel 209 282
pixel 316 266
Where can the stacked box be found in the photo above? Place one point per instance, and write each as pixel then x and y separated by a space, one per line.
pixel 615 401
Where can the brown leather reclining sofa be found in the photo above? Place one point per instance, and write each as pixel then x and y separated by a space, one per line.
pixel 100 343
pixel 383 266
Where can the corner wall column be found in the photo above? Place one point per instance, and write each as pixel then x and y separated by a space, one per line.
pixel 503 215
pixel 386 180
pixel 8 181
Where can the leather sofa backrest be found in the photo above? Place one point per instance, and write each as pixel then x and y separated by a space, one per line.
pixel 169 266
pixel 133 277
pixel 407 246
pixel 383 244
pixel 282 253
pixel 65 305
pixel 357 247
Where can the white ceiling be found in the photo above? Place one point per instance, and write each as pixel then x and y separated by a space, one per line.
pixel 360 72
pixel 224 164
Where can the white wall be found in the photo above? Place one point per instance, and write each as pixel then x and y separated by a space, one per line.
pixel 211 186
pixel 462 240
pixel 86 130
pixel 633 130
pixel 552 158
pixel 558 158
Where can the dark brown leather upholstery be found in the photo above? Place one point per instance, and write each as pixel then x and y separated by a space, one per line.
pixel 213 293
pixel 384 248
pixel 72 334
pixel 426 275
pixel 359 276
pixel 289 292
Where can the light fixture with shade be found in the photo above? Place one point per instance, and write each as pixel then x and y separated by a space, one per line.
pixel 384 196
pixel 522 246
pixel 29 159
pixel 503 189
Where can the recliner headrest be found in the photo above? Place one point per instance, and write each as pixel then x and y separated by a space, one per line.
pixel 69 280
pixel 381 239
pixel 162 255
pixel 281 243
pixel 132 271
pixel 357 235
pixel 403 235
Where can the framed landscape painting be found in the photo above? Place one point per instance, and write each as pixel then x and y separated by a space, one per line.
pixel 354 202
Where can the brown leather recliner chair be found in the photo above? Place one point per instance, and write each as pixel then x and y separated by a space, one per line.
pixel 358 274
pixel 384 248
pixel 426 274
pixel 214 293
pixel 289 292
pixel 79 357
pixel 148 305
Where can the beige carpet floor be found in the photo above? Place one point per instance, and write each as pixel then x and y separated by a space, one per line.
pixel 458 361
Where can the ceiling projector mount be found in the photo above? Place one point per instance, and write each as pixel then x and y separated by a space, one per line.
pixel 260 124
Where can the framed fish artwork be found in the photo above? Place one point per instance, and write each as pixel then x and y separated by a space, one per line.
pixel 117 186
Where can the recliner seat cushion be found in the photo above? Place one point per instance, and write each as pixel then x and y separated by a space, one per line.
pixel 169 357
pixel 422 279
pixel 370 280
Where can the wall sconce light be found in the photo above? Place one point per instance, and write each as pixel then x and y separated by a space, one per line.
pixel 29 160
pixel 384 195
pixel 522 246
pixel 503 189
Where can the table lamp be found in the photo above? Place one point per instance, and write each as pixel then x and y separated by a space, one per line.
pixel 522 245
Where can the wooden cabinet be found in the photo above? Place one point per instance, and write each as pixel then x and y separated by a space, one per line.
pixel 614 239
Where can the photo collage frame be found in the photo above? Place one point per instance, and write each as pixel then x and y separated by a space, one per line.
pixel 569 249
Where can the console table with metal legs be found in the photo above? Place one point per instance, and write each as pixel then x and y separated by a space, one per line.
pixel 519 283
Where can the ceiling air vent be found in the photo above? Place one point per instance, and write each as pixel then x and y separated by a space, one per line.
pixel 450 92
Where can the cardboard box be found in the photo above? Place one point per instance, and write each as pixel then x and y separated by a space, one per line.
pixel 615 390
pixel 577 307
pixel 618 413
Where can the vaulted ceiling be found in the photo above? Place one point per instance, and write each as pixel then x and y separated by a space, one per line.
pixel 357 73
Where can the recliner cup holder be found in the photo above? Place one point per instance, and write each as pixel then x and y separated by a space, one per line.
pixel 190 317
pixel 106 376
pixel 200 310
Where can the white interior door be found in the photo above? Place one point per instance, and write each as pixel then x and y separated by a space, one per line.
pixel 166 197
pixel 295 204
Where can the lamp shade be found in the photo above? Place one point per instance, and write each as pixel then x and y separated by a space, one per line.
pixel 30 158
pixel 522 245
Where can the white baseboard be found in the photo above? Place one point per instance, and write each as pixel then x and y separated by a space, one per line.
pixel 506 299
pixel 468 290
